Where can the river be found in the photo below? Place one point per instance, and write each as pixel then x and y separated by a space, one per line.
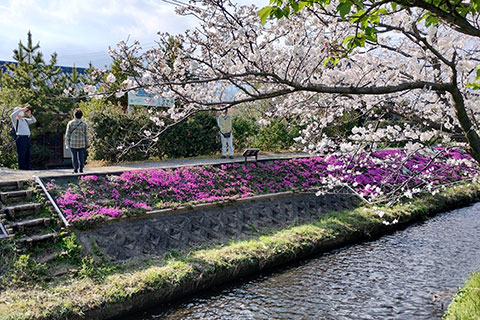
pixel 410 274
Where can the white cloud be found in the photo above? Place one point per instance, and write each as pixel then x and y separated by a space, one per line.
pixel 82 30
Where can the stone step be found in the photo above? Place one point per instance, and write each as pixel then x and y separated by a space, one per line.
pixel 37 238
pixel 20 211
pixel 12 185
pixel 50 257
pixel 9 197
pixel 22 225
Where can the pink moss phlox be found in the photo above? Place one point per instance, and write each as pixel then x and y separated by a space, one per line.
pixel 372 175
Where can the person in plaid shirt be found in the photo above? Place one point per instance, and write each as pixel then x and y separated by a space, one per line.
pixel 76 139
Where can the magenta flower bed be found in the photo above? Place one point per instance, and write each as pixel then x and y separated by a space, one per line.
pixel 379 175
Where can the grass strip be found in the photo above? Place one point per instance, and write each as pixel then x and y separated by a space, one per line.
pixel 466 302
pixel 140 286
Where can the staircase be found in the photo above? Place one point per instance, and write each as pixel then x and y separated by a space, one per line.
pixel 25 216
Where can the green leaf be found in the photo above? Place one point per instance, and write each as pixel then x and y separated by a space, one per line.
pixel 294 5
pixel 344 8
pixel 424 16
pixel 303 4
pixel 325 62
pixel 473 85
pixel 380 11
pixel 331 60
pixel 463 11
pixel 475 5
pixel 265 13
pixel 364 23
pixel 348 39
pixel 431 21
pixel 370 34
pixel 359 13
pixel 359 41
pixel 374 19
pixel 394 6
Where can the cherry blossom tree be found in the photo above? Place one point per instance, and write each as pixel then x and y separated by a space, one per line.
pixel 305 67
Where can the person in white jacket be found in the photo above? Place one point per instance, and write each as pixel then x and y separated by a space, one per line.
pixel 225 124
pixel 21 125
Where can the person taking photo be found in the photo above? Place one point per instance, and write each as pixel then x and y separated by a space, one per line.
pixel 22 130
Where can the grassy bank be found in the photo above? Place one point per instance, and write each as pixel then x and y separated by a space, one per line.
pixel 466 302
pixel 98 290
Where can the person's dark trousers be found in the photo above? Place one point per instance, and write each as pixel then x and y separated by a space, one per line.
pixel 23 152
pixel 78 156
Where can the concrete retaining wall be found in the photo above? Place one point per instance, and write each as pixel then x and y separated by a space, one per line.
pixel 160 232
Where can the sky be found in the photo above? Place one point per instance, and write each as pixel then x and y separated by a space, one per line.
pixel 81 31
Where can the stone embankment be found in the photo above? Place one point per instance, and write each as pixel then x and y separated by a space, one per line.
pixel 162 231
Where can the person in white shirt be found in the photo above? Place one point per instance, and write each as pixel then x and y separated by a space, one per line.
pixel 21 125
pixel 225 124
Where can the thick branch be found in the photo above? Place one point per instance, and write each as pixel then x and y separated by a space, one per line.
pixel 457 22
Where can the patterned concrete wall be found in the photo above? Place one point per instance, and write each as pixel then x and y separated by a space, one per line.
pixel 158 234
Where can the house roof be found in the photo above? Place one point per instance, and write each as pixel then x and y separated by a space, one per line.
pixel 64 69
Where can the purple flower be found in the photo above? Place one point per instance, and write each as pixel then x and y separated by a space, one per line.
pixel 374 175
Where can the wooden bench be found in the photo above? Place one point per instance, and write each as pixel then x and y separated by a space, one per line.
pixel 251 152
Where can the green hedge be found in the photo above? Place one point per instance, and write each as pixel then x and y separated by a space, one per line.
pixel 276 136
pixel 196 136
pixel 244 131
pixel 40 156
pixel 111 127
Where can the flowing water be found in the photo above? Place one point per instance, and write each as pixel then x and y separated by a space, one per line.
pixel 411 274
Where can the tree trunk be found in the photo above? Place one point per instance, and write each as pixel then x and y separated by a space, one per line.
pixel 465 123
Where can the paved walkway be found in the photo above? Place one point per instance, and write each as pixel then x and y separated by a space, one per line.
pixel 13 175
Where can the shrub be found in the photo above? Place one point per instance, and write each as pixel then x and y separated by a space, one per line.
pixel 40 156
pixel 276 136
pixel 245 130
pixel 196 136
pixel 8 100
pixel 8 155
pixel 111 126
pixel 26 269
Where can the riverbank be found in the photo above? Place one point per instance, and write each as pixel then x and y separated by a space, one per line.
pixel 144 284
pixel 466 302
